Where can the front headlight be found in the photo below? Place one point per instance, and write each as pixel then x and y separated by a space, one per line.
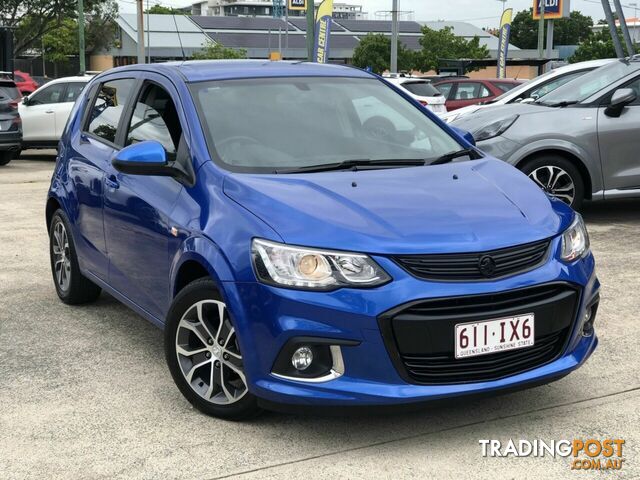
pixel 309 268
pixel 494 129
pixel 575 240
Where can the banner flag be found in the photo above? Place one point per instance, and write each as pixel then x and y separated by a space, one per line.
pixel 323 31
pixel 503 47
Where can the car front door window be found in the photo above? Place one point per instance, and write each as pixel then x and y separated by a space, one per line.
pixel 51 94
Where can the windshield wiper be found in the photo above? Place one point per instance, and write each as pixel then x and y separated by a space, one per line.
pixel 564 103
pixel 352 165
pixel 472 153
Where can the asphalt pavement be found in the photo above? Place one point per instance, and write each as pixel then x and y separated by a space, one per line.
pixel 85 393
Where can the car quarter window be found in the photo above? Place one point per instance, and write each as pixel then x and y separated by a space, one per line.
pixel 108 107
pixel 155 118
pixel 50 94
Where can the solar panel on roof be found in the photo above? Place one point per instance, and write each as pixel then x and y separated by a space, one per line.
pixel 378 26
pixel 261 40
pixel 301 23
pixel 240 23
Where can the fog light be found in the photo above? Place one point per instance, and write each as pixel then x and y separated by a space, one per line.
pixel 302 358
pixel 587 322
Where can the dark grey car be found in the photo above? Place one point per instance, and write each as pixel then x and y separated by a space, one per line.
pixel 581 141
pixel 10 126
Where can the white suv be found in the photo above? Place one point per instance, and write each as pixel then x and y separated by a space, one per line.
pixel 45 112
pixel 422 90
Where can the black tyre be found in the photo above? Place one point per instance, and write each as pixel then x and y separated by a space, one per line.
pixel 203 354
pixel 72 287
pixel 557 176
pixel 6 156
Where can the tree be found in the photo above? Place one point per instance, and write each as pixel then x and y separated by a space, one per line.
pixel 437 44
pixel 162 10
pixel 217 51
pixel 567 31
pixel 33 19
pixel 599 45
pixel 374 52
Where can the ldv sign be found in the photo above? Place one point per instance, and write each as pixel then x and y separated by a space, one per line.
pixel 553 9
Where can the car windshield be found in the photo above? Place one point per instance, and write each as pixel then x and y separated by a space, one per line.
pixel 268 124
pixel 590 83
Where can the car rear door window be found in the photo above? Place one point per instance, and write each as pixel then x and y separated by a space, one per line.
pixel 108 107
pixel 73 90
pixel 469 90
pixel 155 118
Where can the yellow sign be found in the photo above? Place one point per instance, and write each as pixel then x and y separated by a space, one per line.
pixel 297 4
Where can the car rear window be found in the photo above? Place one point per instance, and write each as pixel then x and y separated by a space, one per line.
pixel 8 90
pixel 422 88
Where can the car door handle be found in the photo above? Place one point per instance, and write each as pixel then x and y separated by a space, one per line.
pixel 112 182
pixel 49 111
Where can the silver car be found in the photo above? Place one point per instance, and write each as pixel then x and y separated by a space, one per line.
pixel 581 141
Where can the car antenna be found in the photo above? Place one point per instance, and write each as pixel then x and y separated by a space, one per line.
pixel 179 39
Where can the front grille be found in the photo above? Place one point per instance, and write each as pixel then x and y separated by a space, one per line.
pixel 420 336
pixel 476 266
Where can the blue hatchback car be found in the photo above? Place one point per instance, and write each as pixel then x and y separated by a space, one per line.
pixel 308 235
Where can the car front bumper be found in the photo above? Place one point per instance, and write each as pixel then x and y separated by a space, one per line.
pixel 267 317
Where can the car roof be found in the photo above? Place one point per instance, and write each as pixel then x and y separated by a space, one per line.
pixel 203 70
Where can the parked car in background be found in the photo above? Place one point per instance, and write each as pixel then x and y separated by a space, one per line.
pixel 26 84
pixel 462 92
pixel 10 128
pixel 533 89
pixel 45 112
pixel 329 267
pixel 581 141
pixel 422 90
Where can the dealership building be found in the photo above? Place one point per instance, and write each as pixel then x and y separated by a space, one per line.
pixel 173 37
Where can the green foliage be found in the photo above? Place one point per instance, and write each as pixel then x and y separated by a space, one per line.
pixel 437 44
pixel 217 51
pixel 62 42
pixel 33 20
pixel 599 45
pixel 567 31
pixel 162 10
pixel 374 51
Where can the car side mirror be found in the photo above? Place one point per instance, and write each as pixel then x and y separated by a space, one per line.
pixel 464 134
pixel 25 101
pixel 528 100
pixel 144 158
pixel 620 99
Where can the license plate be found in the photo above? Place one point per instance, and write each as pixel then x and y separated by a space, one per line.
pixel 492 336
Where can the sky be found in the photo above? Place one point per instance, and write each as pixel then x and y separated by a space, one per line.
pixel 482 13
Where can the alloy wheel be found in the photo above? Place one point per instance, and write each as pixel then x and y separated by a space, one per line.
pixel 555 181
pixel 209 355
pixel 61 257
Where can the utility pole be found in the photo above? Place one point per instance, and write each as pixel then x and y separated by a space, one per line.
pixel 612 28
pixel 550 25
pixel 394 37
pixel 81 47
pixel 311 27
pixel 541 29
pixel 140 17
pixel 625 29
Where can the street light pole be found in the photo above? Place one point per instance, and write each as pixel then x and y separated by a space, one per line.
pixel 311 23
pixel 394 37
pixel 81 47
pixel 140 12
pixel 541 30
